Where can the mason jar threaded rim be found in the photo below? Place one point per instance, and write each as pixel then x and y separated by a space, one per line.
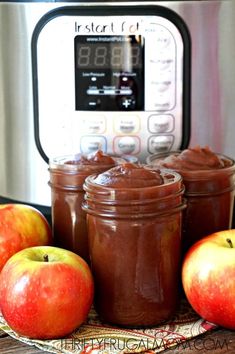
pixel 127 202
pixel 113 193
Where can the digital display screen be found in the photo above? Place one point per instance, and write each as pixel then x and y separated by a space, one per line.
pixel 114 52
pixel 109 72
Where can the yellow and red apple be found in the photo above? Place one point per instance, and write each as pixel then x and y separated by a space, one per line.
pixel 208 276
pixel 21 226
pixel 45 292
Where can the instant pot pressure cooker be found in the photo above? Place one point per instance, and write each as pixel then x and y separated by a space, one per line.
pixel 134 78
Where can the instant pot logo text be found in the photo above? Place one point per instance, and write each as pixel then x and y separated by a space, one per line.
pixel 123 27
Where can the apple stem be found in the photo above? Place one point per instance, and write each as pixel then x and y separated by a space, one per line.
pixel 229 242
pixel 45 258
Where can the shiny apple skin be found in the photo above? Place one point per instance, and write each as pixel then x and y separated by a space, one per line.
pixel 21 226
pixel 45 299
pixel 208 277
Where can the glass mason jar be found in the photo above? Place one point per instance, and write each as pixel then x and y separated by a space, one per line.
pixel 135 248
pixel 210 198
pixel 67 175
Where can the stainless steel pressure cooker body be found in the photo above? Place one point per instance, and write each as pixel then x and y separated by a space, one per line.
pixel 126 77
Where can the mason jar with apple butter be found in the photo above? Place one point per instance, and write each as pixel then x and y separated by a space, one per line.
pixel 209 189
pixel 134 230
pixel 67 175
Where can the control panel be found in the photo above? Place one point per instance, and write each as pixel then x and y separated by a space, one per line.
pixel 116 83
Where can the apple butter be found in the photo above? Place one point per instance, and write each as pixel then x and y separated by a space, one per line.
pixel 134 230
pixel 209 189
pixel 67 175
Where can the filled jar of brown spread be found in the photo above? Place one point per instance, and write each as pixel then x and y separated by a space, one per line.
pixel 209 189
pixel 67 175
pixel 134 230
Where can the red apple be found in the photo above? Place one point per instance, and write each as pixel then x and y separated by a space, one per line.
pixel 21 226
pixel 45 292
pixel 208 276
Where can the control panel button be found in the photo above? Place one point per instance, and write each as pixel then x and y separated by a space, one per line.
pixel 126 124
pixel 163 101
pixel 160 143
pixel 92 103
pixel 161 123
pixel 89 144
pixel 127 102
pixel 126 145
pixel 162 63
pixel 161 82
pixel 93 124
pixel 164 38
